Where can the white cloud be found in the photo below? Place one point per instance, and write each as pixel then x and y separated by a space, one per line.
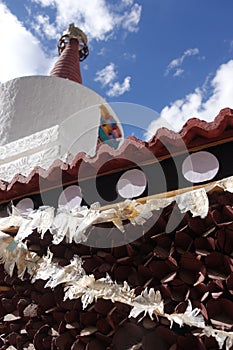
pixel 178 72
pixel 107 78
pixel 102 52
pixel 107 75
pixel 118 89
pixel 97 18
pixel 194 104
pixel 21 54
pixel 191 52
pixel 177 62
pixel 128 2
pixel 42 24
pixel 131 19
pixel 129 57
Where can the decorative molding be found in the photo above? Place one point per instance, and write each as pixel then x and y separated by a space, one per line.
pixel 25 164
pixel 29 144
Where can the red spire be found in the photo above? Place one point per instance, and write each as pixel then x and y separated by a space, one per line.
pixel 68 64
pixel 72 48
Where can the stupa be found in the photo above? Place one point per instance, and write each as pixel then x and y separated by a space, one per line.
pixel 109 244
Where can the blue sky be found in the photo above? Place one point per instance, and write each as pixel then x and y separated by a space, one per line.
pixel 171 56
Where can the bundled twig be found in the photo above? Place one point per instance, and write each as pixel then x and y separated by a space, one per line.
pixel 77 284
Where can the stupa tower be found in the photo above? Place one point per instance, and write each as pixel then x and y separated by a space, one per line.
pixel 96 254
pixel 52 129
pixel 72 48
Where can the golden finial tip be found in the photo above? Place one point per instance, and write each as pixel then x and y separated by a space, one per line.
pixel 73 32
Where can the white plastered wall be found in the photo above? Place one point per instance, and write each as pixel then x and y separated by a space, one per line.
pixel 42 118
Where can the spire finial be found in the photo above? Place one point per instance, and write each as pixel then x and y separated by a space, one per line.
pixel 73 32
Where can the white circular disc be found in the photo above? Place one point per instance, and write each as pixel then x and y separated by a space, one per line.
pixel 200 167
pixel 25 205
pixel 71 197
pixel 132 183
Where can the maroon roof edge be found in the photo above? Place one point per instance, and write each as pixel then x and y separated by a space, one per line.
pixel 193 134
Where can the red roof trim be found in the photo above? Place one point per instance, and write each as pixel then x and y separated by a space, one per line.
pixel 194 133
